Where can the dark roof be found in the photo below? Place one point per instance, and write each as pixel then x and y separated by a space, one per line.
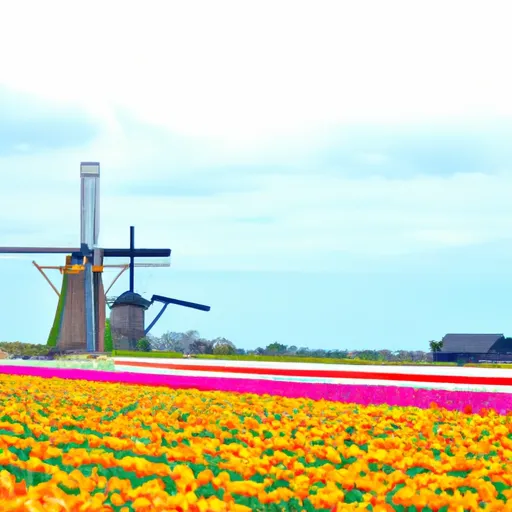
pixel 471 343
pixel 132 299
pixel 503 345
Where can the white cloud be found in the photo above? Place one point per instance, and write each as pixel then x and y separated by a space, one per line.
pixel 374 158
pixel 243 73
pixel 314 218
pixel 246 82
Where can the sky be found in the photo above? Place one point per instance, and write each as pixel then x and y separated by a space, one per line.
pixel 333 174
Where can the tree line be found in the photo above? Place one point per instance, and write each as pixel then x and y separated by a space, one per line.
pixel 191 342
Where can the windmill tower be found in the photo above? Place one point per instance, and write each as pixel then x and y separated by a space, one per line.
pixel 79 323
pixel 80 317
pixel 82 292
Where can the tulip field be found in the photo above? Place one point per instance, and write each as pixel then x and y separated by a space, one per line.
pixel 82 441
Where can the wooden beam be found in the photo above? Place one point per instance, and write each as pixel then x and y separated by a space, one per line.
pixel 140 265
pixel 126 267
pixel 46 277
pixel 37 250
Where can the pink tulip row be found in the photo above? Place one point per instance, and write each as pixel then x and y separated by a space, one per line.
pixel 359 394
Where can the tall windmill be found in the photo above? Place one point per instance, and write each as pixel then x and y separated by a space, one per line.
pixel 80 317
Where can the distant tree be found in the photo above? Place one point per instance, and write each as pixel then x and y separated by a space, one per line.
pixel 241 351
pixel 260 351
pixel 292 350
pixel 224 347
pixel 191 335
pixel 276 348
pixel 154 340
pixel 337 354
pixel 208 346
pixel 201 346
pixel 319 352
pixel 367 355
pixel 303 351
pixel 144 345
pixel 187 338
pixel 385 355
pixel 196 347
pixel 419 356
pixel 435 346
pixel 402 355
pixel 169 342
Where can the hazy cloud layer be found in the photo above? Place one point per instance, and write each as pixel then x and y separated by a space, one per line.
pixel 360 138
pixel 30 125
pixel 408 150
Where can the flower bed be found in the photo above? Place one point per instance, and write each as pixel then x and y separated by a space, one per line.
pixel 361 394
pixel 113 446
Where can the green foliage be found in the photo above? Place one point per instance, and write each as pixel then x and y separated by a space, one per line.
pixel 223 347
pixel 435 346
pixel 24 349
pixel 109 343
pixel 54 332
pixel 276 348
pixel 144 345
pixel 155 355
pixel 223 350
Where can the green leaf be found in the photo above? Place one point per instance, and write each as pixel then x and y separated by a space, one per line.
pixel 258 478
pixel 490 455
pixel 281 483
pixel 465 489
pixel 353 496
pixel 22 454
pixel 460 474
pixel 235 477
pixel 412 472
pixel 500 487
pixel 67 490
pixel 205 491
pixel 204 433
pixel 31 478
pixel 389 495
pixel 388 469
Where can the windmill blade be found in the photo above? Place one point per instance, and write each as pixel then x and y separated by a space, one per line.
pixel 37 250
pixel 168 300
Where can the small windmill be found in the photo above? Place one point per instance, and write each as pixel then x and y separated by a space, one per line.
pixel 80 317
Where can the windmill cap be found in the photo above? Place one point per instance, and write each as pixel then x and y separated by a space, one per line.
pixel 131 299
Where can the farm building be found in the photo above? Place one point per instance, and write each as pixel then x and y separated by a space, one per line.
pixel 474 348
